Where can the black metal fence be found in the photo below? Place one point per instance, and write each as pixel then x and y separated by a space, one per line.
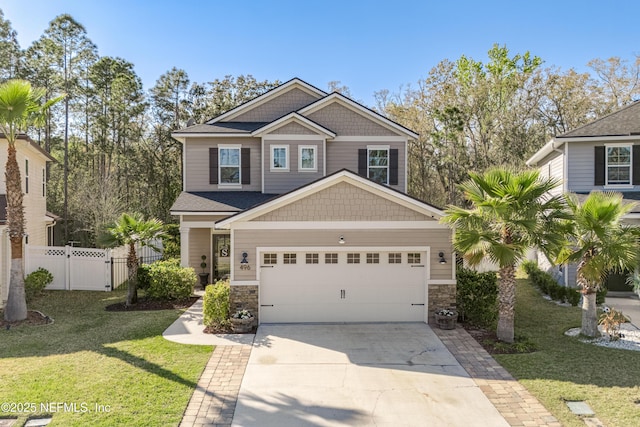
pixel 120 271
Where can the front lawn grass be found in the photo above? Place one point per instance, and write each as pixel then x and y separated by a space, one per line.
pixel 564 368
pixel 116 365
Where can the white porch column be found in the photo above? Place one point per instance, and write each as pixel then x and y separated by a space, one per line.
pixel 184 246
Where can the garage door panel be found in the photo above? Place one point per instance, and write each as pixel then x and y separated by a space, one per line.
pixel 342 292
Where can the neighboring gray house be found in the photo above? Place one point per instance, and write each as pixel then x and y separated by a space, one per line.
pixel 299 197
pixel 602 155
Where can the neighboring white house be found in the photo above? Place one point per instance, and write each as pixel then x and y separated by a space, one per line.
pixel 602 155
pixel 32 160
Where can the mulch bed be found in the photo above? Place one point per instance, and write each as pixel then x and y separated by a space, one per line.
pixel 34 318
pixel 489 341
pixel 226 329
pixel 146 304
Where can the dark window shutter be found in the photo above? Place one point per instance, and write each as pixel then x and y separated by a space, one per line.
pixel 393 166
pixel 362 162
pixel 213 165
pixel 245 163
pixel 599 165
pixel 636 165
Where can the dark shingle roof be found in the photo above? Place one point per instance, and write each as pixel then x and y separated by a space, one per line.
pixel 625 121
pixel 223 127
pixel 218 201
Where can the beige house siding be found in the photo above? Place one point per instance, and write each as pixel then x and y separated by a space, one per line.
pixel 293 129
pixel 278 182
pixel 196 152
pixel 344 155
pixel 35 203
pixel 200 244
pixel 277 107
pixel 343 202
pixel 439 240
pixel 346 122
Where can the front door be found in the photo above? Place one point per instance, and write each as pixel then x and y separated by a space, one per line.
pixel 221 254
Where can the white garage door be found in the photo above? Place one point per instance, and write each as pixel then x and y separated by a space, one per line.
pixel 358 286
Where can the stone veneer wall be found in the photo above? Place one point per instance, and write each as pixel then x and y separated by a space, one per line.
pixel 243 297
pixel 441 296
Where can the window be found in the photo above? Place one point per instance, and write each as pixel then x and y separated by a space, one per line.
pixel 289 259
pixel 413 258
pixel 330 258
pixel 378 165
pixel 26 176
pixel 307 156
pixel 618 165
pixel 395 258
pixel 229 165
pixel 373 258
pixel 280 157
pixel 270 259
pixel 44 182
pixel 312 258
pixel 353 258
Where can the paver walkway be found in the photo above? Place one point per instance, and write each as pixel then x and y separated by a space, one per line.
pixel 214 400
pixel 509 397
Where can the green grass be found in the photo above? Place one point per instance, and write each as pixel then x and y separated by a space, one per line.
pixel 564 368
pixel 90 356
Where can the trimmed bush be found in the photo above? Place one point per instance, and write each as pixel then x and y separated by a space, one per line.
pixel 169 281
pixel 216 303
pixel 548 285
pixel 144 280
pixel 601 295
pixel 477 297
pixel 573 297
pixel 35 282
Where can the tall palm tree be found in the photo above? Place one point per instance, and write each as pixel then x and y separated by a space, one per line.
pixel 510 212
pixel 131 230
pixel 20 106
pixel 600 243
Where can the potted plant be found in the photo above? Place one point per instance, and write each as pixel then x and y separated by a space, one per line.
pixel 204 276
pixel 242 321
pixel 446 318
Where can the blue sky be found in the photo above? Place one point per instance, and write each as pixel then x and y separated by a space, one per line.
pixel 367 45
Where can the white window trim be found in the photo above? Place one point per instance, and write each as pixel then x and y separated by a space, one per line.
pixel 315 158
pixel 606 166
pixel 286 158
pixel 220 166
pixel 380 148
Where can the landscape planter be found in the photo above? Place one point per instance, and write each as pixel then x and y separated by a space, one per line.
pixel 446 322
pixel 242 326
pixel 204 279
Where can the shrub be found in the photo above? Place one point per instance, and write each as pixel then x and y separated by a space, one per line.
pixel 477 297
pixel 144 280
pixel 36 281
pixel 529 267
pixel 168 281
pixel 216 303
pixel 601 296
pixel 611 319
pixel 573 296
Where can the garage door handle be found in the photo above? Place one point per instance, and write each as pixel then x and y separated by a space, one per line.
pixel 343 294
pixel 417 304
pixel 271 305
pixel 417 266
pixel 266 266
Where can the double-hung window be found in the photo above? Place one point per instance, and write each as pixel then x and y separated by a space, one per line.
pixel 378 165
pixel 279 157
pixel 229 165
pixel 618 165
pixel 307 156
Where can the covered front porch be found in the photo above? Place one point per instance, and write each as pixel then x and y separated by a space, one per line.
pixel 214 245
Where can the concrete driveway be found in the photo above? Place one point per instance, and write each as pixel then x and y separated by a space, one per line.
pixel 357 375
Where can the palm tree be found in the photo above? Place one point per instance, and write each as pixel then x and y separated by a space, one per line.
pixel 600 243
pixel 510 212
pixel 20 106
pixel 131 230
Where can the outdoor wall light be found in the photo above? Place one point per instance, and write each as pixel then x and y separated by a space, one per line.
pixel 244 258
pixel 442 260
pixel 341 241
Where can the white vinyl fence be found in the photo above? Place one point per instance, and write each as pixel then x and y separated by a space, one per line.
pixel 86 269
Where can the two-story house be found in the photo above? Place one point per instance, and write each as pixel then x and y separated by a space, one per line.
pixel 32 161
pixel 602 155
pixel 299 197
